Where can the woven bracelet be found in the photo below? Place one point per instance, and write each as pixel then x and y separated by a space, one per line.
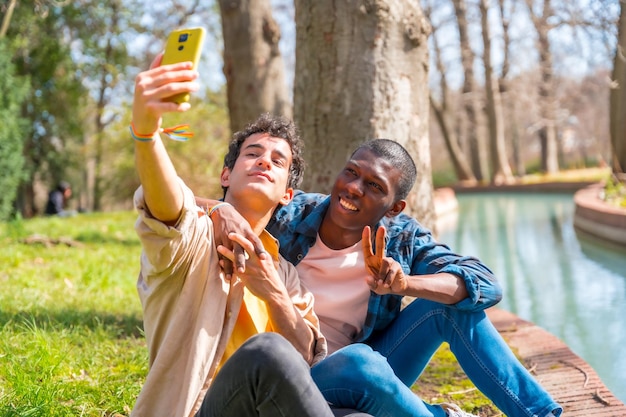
pixel 180 133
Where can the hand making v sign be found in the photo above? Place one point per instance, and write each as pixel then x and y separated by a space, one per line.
pixel 386 275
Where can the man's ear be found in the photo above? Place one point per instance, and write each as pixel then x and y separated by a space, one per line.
pixel 225 177
pixel 287 197
pixel 396 209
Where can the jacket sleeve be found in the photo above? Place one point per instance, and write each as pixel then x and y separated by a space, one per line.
pixel 432 257
pixel 168 248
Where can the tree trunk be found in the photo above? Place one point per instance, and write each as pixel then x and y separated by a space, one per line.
pixel 6 19
pixel 25 203
pixel 107 80
pixel 478 149
pixel 618 101
pixel 503 84
pixel 253 65
pixel 500 168
pixel 547 132
pixel 362 73
pixel 441 111
pixel 459 163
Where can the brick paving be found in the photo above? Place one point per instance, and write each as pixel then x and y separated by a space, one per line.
pixel 568 378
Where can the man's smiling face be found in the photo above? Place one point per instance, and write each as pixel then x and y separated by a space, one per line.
pixel 363 193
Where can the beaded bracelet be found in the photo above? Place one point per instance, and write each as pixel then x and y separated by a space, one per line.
pixel 179 133
pixel 218 205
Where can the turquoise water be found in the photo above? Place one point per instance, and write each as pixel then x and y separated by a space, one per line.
pixel 569 285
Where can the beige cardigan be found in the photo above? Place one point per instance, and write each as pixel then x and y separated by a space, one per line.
pixel 189 309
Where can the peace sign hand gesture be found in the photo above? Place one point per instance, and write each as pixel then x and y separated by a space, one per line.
pixel 386 275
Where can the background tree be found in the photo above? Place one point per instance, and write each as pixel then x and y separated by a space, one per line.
pixel 13 89
pixel 443 112
pixel 541 14
pixel 477 143
pixel 253 64
pixel 618 100
pixel 508 98
pixel 577 39
pixel 51 104
pixel 500 168
pixel 95 28
pixel 361 73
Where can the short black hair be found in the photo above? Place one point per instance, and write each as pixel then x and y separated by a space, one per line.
pixel 63 185
pixel 278 127
pixel 398 157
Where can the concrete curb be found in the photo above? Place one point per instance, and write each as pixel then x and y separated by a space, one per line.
pixel 597 218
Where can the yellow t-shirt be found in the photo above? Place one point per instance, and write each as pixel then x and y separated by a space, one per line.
pixel 253 317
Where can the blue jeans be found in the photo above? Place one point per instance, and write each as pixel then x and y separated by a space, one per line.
pixel 376 378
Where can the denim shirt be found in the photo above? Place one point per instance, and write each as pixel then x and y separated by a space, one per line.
pixel 410 244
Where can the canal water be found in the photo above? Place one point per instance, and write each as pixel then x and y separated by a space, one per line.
pixel 565 283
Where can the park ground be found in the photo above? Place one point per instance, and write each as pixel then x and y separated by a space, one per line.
pixel 70 322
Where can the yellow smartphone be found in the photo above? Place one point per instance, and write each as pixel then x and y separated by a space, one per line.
pixel 183 45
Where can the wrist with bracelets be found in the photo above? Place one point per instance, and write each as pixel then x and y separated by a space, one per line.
pixel 179 133
pixel 218 205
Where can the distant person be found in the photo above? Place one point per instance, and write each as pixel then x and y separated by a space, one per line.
pixel 57 200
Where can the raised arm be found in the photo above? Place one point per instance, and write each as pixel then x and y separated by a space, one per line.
pixel 156 172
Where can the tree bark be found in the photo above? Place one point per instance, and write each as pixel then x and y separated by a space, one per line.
pixel 253 65
pixel 510 102
pixel 362 73
pixel 500 168
pixel 547 132
pixel 618 100
pixel 441 111
pixel 478 148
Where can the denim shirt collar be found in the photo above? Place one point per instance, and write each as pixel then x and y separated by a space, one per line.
pixel 310 226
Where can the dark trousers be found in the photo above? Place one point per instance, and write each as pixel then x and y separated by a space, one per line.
pixel 266 377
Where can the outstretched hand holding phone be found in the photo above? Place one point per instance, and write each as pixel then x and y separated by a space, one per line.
pixel 165 87
pixel 183 45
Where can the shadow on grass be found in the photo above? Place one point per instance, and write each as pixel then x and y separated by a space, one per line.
pixel 121 326
pixel 106 238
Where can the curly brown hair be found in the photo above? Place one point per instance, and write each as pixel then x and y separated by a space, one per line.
pixel 275 126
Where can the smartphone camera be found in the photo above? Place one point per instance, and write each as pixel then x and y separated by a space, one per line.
pixel 182 38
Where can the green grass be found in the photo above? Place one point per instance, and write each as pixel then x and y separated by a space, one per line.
pixel 70 322
pixel 445 381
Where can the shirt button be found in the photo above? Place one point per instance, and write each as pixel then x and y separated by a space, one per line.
pixel 300 257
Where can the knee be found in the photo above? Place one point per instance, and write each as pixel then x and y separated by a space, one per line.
pixel 359 363
pixel 272 351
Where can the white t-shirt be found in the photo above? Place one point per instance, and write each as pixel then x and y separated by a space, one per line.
pixel 337 280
